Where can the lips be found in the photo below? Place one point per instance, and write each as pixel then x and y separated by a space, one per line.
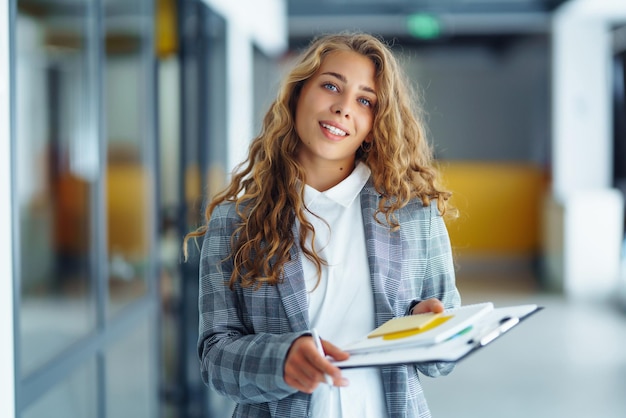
pixel 335 130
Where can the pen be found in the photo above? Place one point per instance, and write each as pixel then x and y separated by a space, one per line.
pixel 320 349
pixel 505 325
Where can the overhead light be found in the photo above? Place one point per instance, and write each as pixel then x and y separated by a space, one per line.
pixel 423 26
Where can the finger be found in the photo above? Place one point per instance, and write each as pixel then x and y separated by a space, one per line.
pixel 322 365
pixel 335 352
pixel 302 376
pixel 322 370
pixel 302 370
pixel 302 386
pixel 331 370
pixel 305 367
pixel 429 305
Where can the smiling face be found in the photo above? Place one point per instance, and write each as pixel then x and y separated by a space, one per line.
pixel 334 115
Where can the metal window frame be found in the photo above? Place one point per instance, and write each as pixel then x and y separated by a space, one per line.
pixel 7 285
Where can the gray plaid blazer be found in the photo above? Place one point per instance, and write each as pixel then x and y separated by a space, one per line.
pixel 244 334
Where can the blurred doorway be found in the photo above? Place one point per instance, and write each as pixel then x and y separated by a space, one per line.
pixel 192 115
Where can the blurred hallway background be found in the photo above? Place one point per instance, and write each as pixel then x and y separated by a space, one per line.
pixel 566 361
pixel 119 117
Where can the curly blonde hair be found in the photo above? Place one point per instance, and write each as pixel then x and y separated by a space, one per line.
pixel 267 188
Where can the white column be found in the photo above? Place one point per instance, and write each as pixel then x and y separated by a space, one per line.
pixel 582 157
pixel 590 215
pixel 239 92
pixel 264 22
pixel 249 22
pixel 7 335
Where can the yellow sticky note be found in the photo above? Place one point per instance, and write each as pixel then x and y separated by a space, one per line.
pixel 432 324
pixel 411 324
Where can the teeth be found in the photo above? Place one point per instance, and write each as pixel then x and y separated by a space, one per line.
pixel 333 130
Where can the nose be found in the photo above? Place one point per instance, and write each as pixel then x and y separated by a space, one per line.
pixel 341 107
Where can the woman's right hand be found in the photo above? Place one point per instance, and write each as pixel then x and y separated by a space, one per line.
pixel 306 368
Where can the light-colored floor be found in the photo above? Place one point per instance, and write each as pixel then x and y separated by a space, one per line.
pixel 568 360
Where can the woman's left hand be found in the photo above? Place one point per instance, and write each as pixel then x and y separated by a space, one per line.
pixel 429 305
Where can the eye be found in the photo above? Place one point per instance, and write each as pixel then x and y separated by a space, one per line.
pixel 365 102
pixel 330 86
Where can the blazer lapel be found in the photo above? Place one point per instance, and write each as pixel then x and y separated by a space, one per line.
pixel 384 252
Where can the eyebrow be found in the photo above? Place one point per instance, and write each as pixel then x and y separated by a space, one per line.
pixel 343 78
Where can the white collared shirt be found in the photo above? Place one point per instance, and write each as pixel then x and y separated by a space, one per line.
pixel 341 307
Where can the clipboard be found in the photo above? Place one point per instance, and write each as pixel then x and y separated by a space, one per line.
pixel 485 330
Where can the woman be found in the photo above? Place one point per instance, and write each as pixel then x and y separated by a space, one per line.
pixel 333 222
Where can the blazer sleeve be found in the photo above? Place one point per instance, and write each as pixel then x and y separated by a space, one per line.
pixel 439 279
pixel 245 366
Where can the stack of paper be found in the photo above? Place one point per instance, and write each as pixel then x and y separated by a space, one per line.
pixel 418 330
pixel 449 336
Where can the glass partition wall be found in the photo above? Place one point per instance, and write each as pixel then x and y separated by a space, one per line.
pixel 54 180
pixel 129 103
pixel 84 204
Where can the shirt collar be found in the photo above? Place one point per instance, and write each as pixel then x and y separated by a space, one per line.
pixel 345 192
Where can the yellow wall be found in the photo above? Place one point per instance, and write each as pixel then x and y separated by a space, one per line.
pixel 499 205
pixel 128 209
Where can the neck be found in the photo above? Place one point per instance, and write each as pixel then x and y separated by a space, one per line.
pixel 327 175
